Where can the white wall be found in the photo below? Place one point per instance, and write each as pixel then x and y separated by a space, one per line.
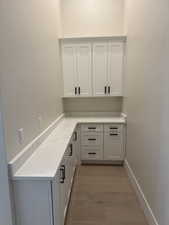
pixel 92 17
pixel 29 66
pixel 113 104
pixel 148 101
pixel 59 18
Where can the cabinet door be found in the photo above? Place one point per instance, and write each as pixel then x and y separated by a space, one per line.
pixel 76 141
pixel 63 188
pixel 115 68
pixel 84 69
pixel 100 65
pixel 113 146
pixel 69 69
pixel 57 198
pixel 70 166
pixel 33 202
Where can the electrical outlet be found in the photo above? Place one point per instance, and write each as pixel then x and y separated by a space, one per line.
pixel 20 136
pixel 40 122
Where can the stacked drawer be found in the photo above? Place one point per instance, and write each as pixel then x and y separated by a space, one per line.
pixel 91 141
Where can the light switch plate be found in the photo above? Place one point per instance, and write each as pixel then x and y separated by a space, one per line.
pixel 40 122
pixel 21 136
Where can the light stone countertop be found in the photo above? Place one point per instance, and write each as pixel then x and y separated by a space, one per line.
pixel 45 161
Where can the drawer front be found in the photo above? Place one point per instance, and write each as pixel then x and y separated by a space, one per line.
pixel 92 127
pixel 91 139
pixel 113 128
pixel 91 154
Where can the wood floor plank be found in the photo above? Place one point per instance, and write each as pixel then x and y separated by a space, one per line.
pixel 102 195
pixel 94 170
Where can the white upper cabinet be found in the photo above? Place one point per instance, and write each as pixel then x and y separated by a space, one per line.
pixel 69 69
pixel 100 66
pixel 83 52
pixel 108 69
pixel 77 69
pixel 93 68
pixel 115 69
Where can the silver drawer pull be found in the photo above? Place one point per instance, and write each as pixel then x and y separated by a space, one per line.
pixel 92 153
pixel 91 139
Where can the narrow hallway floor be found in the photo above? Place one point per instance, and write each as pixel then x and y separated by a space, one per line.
pixel 102 195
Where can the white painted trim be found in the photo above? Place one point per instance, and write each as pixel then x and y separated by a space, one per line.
pixel 151 219
pixel 5 203
pixel 124 115
pixel 20 158
pixel 121 37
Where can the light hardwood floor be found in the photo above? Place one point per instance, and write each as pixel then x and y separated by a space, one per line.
pixel 102 195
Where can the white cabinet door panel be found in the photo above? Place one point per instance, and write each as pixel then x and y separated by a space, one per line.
pixel 115 74
pixel 33 202
pixel 69 69
pixel 84 69
pixel 113 147
pixel 63 188
pixel 76 145
pixel 100 66
pixel 56 186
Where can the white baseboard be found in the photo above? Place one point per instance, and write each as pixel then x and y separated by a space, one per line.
pixel 141 197
pixel 20 158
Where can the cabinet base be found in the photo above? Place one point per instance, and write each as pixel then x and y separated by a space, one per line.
pixel 103 162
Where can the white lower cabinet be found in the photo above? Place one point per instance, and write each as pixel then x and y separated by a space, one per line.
pixel 45 201
pixel 103 142
pixel 113 142
pixel 91 141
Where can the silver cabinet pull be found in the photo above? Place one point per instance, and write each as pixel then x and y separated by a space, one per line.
pixel 75 136
pixel 71 150
pixel 91 139
pixel 63 174
pixel 91 128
